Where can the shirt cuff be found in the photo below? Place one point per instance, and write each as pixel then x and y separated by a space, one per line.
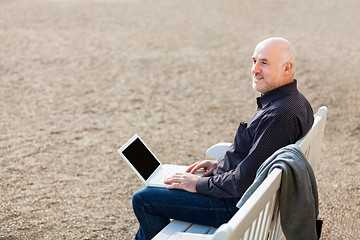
pixel 202 185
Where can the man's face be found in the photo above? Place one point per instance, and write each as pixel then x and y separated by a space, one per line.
pixel 266 69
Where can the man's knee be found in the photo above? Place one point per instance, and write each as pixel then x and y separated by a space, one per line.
pixel 138 198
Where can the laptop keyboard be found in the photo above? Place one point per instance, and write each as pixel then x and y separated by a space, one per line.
pixel 167 172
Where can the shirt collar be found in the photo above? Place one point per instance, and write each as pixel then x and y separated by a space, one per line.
pixel 275 94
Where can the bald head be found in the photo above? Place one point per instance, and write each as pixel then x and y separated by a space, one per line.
pixel 283 47
pixel 273 64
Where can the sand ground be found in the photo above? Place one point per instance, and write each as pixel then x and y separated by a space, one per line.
pixel 79 77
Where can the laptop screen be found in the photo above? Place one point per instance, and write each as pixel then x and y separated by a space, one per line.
pixel 141 158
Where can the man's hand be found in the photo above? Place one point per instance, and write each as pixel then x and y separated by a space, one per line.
pixel 185 181
pixel 208 165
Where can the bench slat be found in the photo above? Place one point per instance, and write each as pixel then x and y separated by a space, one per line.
pixel 172 228
pixel 212 230
pixel 189 236
pixel 196 228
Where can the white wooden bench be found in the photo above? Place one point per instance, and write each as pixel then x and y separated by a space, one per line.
pixel 259 217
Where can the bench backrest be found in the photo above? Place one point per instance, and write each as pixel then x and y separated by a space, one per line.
pixel 310 144
pixel 259 217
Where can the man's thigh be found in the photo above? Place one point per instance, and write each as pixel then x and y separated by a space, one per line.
pixel 186 206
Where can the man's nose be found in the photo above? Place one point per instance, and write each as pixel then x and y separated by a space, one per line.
pixel 255 68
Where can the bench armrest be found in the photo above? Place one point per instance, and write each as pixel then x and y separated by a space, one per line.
pixel 218 150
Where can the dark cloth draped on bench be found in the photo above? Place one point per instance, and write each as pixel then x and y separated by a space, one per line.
pixel 298 199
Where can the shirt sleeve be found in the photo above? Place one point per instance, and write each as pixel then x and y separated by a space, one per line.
pixel 233 183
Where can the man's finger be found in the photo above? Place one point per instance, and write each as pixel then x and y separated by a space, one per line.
pixel 207 173
pixel 191 167
pixel 174 179
pixel 197 167
pixel 173 186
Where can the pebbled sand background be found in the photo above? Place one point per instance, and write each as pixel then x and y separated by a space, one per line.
pixel 78 78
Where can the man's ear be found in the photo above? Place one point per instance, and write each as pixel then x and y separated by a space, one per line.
pixel 288 68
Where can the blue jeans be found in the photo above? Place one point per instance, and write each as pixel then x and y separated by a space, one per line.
pixel 154 207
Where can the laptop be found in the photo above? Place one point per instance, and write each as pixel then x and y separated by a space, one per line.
pixel 144 163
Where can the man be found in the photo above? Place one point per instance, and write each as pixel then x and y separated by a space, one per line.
pixel 283 116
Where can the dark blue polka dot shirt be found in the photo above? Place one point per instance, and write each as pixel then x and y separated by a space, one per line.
pixel 283 116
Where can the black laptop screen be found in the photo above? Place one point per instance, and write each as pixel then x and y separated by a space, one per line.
pixel 141 158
